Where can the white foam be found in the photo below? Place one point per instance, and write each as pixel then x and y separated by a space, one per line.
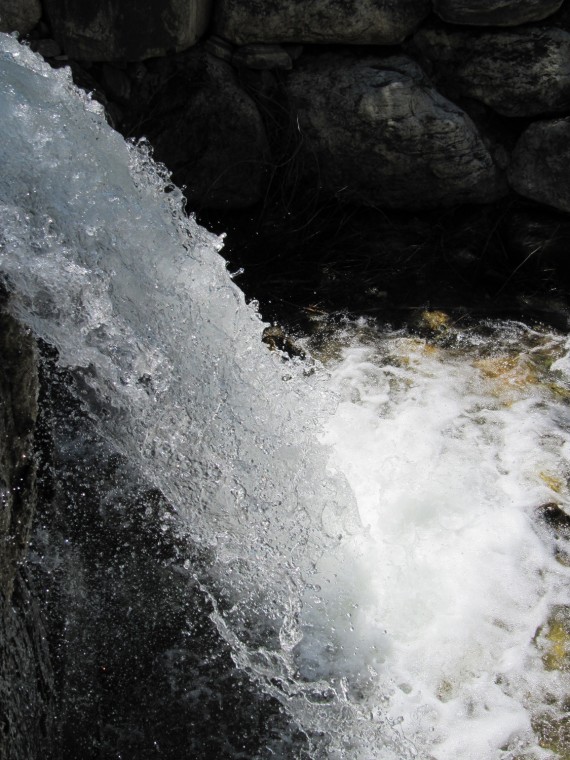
pixel 436 605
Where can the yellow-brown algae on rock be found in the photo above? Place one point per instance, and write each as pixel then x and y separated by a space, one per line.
pixel 554 639
pixel 512 371
pixel 555 483
pixel 553 733
pixel 435 320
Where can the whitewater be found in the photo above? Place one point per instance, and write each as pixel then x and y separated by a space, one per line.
pixel 386 521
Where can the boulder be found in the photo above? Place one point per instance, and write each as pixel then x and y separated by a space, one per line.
pixel 373 131
pixel 348 22
pixel 539 167
pixel 519 73
pixel 495 12
pixel 207 130
pixel 19 15
pixel 130 30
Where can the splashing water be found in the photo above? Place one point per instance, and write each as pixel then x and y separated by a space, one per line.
pixel 380 558
pixel 454 449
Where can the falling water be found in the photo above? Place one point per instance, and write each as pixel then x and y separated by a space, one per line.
pixel 379 520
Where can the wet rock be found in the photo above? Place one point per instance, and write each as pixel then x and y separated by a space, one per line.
pixel 555 640
pixel 519 73
pixel 26 679
pixel 277 340
pixel 553 515
pixel 131 30
pixel 495 12
pixel 375 132
pixel 209 132
pixel 357 22
pixel 18 411
pixel 539 167
pixel 19 15
pixel 27 691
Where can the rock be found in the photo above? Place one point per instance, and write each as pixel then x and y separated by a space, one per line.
pixel 539 166
pixel 294 51
pixel 209 133
pixel 377 133
pixel 116 83
pixel 495 12
pixel 277 340
pixel 130 30
pixel 359 22
pixel 47 48
pixel 19 15
pixel 219 48
pixel 261 56
pixel 519 73
pixel 27 703
pixel 540 234
pixel 18 411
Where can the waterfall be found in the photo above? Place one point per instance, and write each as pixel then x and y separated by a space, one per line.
pixel 377 559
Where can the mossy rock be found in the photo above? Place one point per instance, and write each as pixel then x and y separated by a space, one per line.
pixel 553 733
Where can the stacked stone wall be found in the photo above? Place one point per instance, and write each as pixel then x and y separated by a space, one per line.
pixel 402 104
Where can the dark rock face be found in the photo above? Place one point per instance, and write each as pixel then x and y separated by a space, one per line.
pixel 359 22
pixel 129 30
pixel 26 678
pixel 19 15
pixel 19 393
pixel 379 134
pixel 518 73
pixel 27 693
pixel 495 12
pixel 539 168
pixel 209 132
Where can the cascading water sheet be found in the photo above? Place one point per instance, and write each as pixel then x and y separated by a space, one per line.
pixel 378 526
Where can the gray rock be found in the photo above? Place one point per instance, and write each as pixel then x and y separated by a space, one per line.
pixel 378 133
pixel 519 73
pixel 358 22
pixel 19 15
pixel 495 12
pixel 47 48
pixel 130 30
pixel 539 167
pixel 219 48
pixel 262 57
pixel 116 83
pixel 209 132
